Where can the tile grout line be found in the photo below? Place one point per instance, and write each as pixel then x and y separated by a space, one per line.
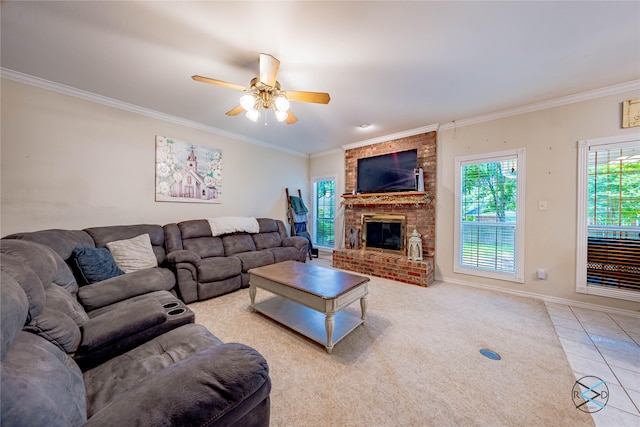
pixel 605 358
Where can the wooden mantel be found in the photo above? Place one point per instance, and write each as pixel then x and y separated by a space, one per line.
pixel 396 199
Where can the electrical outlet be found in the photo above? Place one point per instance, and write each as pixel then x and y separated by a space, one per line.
pixel 542 205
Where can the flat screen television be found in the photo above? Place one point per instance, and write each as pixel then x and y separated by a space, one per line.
pixel 388 172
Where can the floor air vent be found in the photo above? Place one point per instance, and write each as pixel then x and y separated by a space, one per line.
pixel 490 354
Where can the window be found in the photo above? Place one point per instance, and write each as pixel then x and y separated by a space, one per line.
pixel 324 202
pixel 608 246
pixel 489 216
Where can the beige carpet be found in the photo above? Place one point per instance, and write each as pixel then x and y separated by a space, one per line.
pixel 415 362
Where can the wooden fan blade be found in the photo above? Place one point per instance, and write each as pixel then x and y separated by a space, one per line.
pixel 291 119
pixel 268 69
pixel 317 97
pixel 235 111
pixel 218 82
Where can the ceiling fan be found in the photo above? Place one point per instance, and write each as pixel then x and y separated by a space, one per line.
pixel 264 93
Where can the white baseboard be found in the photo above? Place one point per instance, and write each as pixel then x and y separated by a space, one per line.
pixel 545 298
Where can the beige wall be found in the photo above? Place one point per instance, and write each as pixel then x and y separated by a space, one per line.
pixel 550 137
pixel 72 163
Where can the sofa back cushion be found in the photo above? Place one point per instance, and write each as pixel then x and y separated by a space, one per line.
pixel 40 383
pixel 237 243
pixel 267 240
pixel 14 307
pixel 205 247
pixel 267 225
pixel 57 328
pixel 103 235
pixel 59 299
pixel 61 241
pixel 25 277
pixel 195 235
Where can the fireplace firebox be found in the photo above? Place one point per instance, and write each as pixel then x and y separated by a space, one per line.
pixel 385 233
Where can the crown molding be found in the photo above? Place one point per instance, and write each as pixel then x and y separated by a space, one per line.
pixel 326 153
pixel 114 103
pixel 557 102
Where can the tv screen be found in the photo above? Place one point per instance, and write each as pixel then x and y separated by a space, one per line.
pixel 388 172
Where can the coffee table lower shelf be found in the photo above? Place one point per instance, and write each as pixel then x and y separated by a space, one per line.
pixel 307 321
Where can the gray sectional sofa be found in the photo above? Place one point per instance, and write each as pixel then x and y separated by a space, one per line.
pixel 116 314
pixel 207 266
pixel 86 343
pixel 183 377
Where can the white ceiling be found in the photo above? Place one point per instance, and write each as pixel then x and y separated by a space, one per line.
pixel 396 65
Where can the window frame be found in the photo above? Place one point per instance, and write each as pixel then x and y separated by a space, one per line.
pixel 520 155
pixel 582 231
pixel 314 209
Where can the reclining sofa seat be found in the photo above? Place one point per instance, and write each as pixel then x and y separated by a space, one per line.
pixel 114 315
pixel 208 266
pixel 41 385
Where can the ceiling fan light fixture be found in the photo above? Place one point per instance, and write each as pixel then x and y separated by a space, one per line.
pixel 248 102
pixel 281 115
pixel 252 114
pixel 282 103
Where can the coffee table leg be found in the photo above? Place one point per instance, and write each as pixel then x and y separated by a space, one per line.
pixel 328 324
pixel 363 307
pixel 252 295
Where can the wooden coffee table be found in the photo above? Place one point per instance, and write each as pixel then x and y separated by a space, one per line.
pixel 310 299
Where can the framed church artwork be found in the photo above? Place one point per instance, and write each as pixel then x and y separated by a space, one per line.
pixel 187 172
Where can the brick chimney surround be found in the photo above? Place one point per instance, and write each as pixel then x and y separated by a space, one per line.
pixel 419 208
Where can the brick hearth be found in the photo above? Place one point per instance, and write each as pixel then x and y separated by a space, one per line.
pixel 420 214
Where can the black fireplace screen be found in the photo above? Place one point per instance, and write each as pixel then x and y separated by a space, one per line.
pixel 384 235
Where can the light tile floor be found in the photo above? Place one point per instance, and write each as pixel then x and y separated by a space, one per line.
pixel 607 346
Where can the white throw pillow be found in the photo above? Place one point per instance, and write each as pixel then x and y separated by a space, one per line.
pixel 133 254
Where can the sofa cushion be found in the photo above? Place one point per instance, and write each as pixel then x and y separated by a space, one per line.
pixel 133 254
pixel 205 247
pixel 103 235
pixel 267 240
pixel 41 385
pixel 254 259
pixel 123 322
pixel 117 376
pixel 285 253
pixel 32 255
pixel 267 225
pixel 28 281
pixel 94 265
pixel 57 328
pixel 237 243
pixel 13 311
pixel 194 228
pixel 126 286
pixel 58 298
pixel 218 268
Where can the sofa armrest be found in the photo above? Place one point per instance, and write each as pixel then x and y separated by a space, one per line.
pixel 219 385
pixel 182 255
pixel 297 242
pixel 300 243
pixel 126 286
pixel 113 326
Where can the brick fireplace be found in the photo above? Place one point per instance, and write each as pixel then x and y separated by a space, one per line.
pixel 417 208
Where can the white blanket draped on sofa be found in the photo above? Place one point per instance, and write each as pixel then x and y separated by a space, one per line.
pixel 233 224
